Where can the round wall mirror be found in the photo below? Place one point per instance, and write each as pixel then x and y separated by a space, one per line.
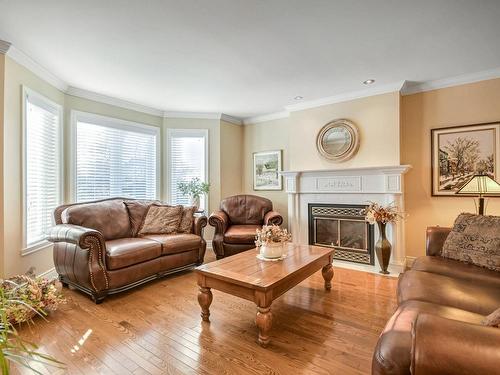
pixel 338 140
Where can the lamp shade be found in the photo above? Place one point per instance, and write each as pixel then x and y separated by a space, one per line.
pixel 480 184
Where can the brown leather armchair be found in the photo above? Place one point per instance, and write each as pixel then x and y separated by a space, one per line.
pixel 237 220
pixel 97 249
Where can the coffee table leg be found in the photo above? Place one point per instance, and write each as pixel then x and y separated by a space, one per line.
pixel 205 299
pixel 327 273
pixel 264 321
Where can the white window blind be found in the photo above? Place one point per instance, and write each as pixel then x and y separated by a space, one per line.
pixel 187 159
pixel 42 185
pixel 114 159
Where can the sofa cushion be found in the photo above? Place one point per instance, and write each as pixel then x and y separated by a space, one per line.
pixel 246 209
pixel 161 219
pixel 137 210
pixel 475 239
pixel 241 234
pixel 186 224
pixel 125 252
pixel 475 296
pixel 176 243
pixel 393 351
pixel 454 268
pixel 108 217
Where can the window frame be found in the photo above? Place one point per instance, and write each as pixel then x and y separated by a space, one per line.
pixel 111 122
pixel 171 132
pixel 49 105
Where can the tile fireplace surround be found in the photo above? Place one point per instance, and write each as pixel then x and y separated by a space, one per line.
pixel 347 186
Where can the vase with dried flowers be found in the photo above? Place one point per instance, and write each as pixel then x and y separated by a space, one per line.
pixel 271 240
pixel 382 215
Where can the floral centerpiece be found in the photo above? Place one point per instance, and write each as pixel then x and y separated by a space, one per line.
pixel 271 240
pixel 194 189
pixel 382 215
pixel 21 299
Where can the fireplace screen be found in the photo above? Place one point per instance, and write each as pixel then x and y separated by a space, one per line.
pixel 344 228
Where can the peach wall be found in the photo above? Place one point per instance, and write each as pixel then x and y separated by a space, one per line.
pixel 460 105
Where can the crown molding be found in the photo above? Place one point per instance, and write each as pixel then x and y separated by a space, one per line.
pixel 4 47
pixel 22 59
pixel 266 117
pixel 416 87
pixel 231 119
pixel 198 115
pixel 375 90
pixel 117 102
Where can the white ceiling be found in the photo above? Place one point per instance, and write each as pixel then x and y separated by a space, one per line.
pixel 250 57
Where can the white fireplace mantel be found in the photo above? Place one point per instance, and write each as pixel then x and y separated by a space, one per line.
pixel 347 186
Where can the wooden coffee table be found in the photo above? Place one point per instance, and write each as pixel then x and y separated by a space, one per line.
pixel 245 276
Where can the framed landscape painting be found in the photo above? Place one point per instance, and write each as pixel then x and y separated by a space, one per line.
pixel 266 168
pixel 460 152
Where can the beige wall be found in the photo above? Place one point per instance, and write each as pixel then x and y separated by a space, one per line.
pixel 231 166
pixel 15 77
pixel 377 118
pixel 459 105
pixel 2 102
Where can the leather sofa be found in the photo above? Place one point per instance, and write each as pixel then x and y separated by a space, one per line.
pixel 237 220
pixel 437 328
pixel 97 250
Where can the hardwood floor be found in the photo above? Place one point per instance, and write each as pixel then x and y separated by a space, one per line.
pixel 157 329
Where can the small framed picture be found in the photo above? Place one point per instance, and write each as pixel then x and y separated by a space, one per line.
pixel 460 152
pixel 266 168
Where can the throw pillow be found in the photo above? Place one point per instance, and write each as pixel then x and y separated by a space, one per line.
pixel 186 224
pixel 137 211
pixel 492 320
pixel 161 220
pixel 475 239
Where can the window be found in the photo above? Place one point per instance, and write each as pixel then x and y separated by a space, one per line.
pixel 187 159
pixel 114 158
pixel 42 166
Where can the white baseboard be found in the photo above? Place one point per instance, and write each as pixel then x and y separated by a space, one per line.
pixel 50 274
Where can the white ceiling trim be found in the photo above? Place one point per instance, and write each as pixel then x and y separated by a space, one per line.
pixel 4 47
pixel 371 91
pixel 231 119
pixel 267 117
pixel 100 98
pixel 22 59
pixel 416 87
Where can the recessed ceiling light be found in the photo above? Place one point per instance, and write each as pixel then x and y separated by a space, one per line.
pixel 298 97
pixel 369 81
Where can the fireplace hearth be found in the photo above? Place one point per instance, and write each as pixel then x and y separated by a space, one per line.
pixel 343 227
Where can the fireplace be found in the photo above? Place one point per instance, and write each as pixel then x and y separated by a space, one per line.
pixel 343 227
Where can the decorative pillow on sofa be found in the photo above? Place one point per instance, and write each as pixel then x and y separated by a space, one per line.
pixel 475 239
pixel 492 320
pixel 161 220
pixel 137 211
pixel 186 224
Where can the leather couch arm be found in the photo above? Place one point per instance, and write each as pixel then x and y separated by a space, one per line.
pixel 435 237
pixel 80 256
pixel 199 223
pixel 74 234
pixel 448 347
pixel 273 218
pixel 220 221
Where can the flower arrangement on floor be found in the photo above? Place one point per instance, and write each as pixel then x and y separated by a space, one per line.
pixel 21 299
pixel 194 189
pixel 37 295
pixel 271 239
pixel 381 215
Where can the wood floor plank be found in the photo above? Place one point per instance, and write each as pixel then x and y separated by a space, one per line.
pixel 157 329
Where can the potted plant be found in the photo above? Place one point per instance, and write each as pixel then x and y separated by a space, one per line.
pixel 194 189
pixel 21 299
pixel 381 215
pixel 271 240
